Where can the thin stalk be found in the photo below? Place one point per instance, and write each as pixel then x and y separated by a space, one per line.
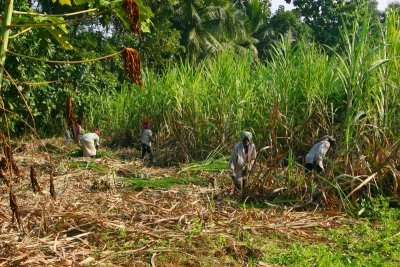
pixel 55 15
pixel 61 22
pixel 67 61
pixel 19 33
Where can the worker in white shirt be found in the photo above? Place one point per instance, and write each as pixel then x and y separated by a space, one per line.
pixel 242 160
pixel 90 142
pixel 147 138
pixel 315 158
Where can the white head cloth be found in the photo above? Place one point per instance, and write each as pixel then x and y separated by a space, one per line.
pixel 246 134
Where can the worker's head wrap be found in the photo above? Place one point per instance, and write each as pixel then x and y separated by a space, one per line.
pixel 246 134
pixel 146 125
pixel 328 138
pixel 146 122
pixel 97 132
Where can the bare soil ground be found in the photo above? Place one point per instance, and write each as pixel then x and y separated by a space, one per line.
pixel 97 219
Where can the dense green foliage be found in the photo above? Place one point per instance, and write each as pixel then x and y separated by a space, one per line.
pixel 327 17
pixel 179 29
pixel 300 93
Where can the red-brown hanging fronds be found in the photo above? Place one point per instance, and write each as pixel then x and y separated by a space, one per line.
pixel 52 190
pixel 15 210
pixel 8 159
pixel 6 149
pixel 132 65
pixel 34 182
pixel 68 108
pixel 3 164
pixel 3 178
pixel 15 168
pixel 71 118
pixel 133 13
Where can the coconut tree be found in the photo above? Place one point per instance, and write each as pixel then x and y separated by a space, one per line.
pixel 254 16
pixel 209 26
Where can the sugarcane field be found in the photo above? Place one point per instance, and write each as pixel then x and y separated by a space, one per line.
pixel 199 133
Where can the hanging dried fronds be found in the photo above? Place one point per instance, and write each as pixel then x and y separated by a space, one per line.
pixel 71 118
pixel 3 178
pixel 132 65
pixel 70 114
pixel 3 164
pixel 6 149
pixel 15 167
pixel 8 159
pixel 34 182
pixel 15 210
pixel 133 13
pixel 52 190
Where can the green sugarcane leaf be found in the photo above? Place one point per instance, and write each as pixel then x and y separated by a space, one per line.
pixel 61 38
pixel 63 2
pixel 81 2
pixel 378 63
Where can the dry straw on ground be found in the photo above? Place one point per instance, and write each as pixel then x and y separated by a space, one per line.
pixel 117 226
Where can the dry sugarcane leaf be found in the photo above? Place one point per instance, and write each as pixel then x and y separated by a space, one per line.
pixel 3 164
pixel 3 178
pixel 15 210
pixel 52 190
pixel 34 182
pixel 71 118
pixel 8 159
pixel 15 168
pixel 6 150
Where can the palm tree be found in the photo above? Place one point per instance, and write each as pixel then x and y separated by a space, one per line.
pixel 255 16
pixel 209 26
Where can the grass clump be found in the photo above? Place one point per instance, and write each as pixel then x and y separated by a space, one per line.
pixel 100 168
pixel 210 165
pixel 161 182
pixel 99 153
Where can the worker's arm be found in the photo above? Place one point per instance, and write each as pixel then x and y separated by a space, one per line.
pixel 97 142
pixel 252 158
pixel 151 136
pixel 232 161
pixel 323 149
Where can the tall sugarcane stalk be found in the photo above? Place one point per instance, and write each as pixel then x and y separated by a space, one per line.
pixel 5 33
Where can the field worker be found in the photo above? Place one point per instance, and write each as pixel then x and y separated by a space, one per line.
pixel 147 138
pixel 68 136
pixel 242 160
pixel 315 158
pixel 78 131
pixel 90 142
